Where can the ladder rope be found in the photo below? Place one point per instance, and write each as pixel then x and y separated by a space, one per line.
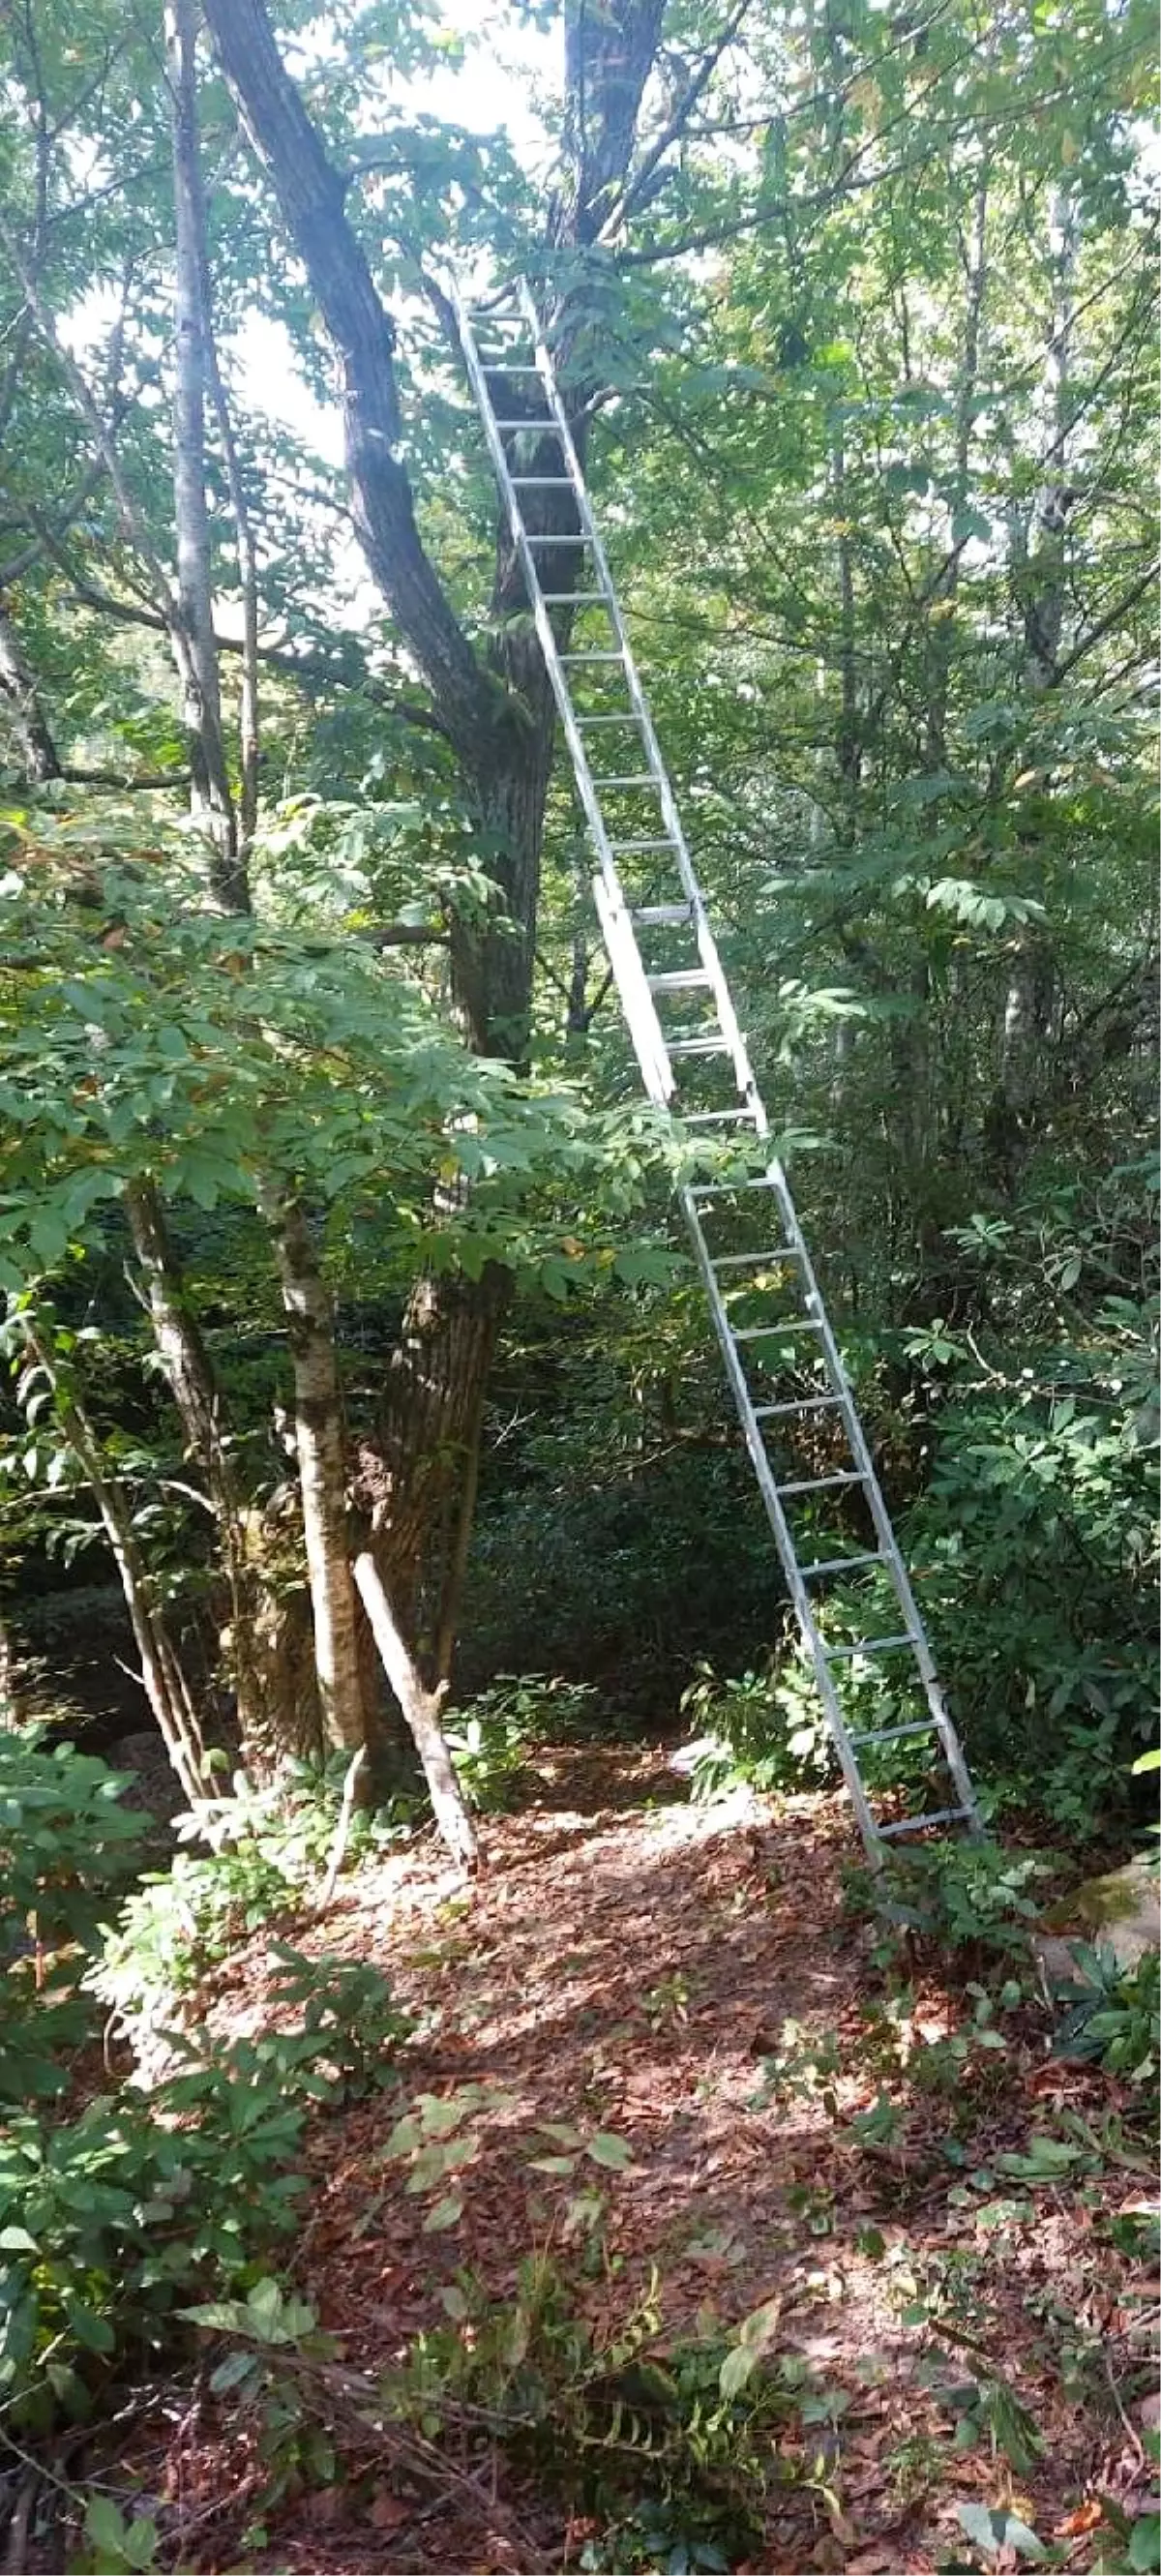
pixel 663 1056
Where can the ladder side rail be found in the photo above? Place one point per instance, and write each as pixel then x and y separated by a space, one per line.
pixel 884 1531
pixel 784 1538
pixel 547 639
pixel 706 943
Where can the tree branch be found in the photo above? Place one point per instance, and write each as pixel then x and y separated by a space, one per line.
pixel 310 194
pixel 634 189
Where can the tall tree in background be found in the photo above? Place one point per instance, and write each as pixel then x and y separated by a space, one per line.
pixel 495 708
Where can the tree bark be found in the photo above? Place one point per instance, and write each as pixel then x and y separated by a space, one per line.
pixel 421 1708
pixel 20 702
pixel 417 1478
pixel 319 1432
pixel 161 1675
pixel 190 1373
pixel 193 602
pixel 944 591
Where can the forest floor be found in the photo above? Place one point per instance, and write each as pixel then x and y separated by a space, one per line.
pixel 687 1980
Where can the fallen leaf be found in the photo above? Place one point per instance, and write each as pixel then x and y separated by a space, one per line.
pixel 387 2511
pixel 1085 2518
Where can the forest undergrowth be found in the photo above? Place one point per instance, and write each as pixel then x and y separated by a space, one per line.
pixel 647 2202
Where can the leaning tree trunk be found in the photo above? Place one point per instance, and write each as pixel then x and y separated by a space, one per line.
pixel 421 1708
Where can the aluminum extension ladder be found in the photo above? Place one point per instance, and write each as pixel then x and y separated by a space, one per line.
pixel 662 951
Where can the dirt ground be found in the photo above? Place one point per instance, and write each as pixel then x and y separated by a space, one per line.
pixel 630 1965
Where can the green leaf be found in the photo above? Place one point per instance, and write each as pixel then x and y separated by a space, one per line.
pixel 218 2316
pixel 736 2369
pixel 91 2330
pixel 615 2154
pixel 1145 2545
pixel 103 2525
pixel 140 2542
pixel 16 2240
pixel 445 2214
pixel 993 2529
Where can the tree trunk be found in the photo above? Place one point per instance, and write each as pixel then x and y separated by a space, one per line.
pixel 1043 572
pixel 944 591
pixel 421 1709
pixel 417 1478
pixel 319 1431
pixel 20 702
pixel 161 1675
pixel 10 1694
pixel 193 605
pixel 190 1373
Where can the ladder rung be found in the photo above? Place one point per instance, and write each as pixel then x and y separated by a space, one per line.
pixel 542 482
pixel 571 599
pixel 698 1046
pixel 577 538
pixel 644 778
pixel 802 1404
pixel 745 1260
pixel 895 1734
pixel 843 1564
pixel 716 1118
pixel 822 1484
pixel 653 915
pixel 668 843
pixel 544 425
pixel 585 722
pixel 785 1324
pixel 867 1646
pixel 730 1189
pixel 919 1824
pixel 684 979
pixel 618 656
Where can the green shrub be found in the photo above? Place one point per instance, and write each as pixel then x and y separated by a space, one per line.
pixel 106 2221
pixel 1031 1549
pixel 1113 2013
pixel 66 1844
pixel 764 1728
pixel 270 1846
pixel 109 2222
pixel 351 2024
pixel 181 1922
pixel 67 1848
pixel 970 1896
